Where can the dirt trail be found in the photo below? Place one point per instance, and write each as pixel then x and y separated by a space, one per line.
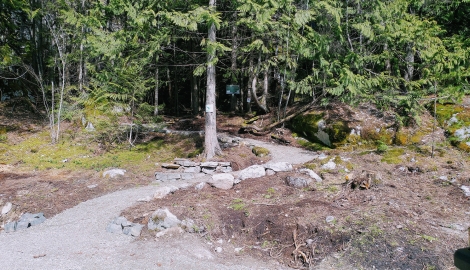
pixel 76 238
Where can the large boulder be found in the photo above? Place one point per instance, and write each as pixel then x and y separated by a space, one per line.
pixel 299 182
pixel 317 127
pixel 279 166
pixel 163 219
pixel 222 181
pixel 253 171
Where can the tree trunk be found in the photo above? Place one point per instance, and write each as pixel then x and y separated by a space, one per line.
pixel 211 145
pixel 155 110
pixel 194 95
pixel 249 86
pixel 260 102
pixel 233 67
pixel 388 66
pixel 410 59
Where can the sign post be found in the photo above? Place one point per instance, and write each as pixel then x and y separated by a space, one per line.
pixel 232 89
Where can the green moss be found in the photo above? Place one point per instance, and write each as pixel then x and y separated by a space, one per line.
pixel 260 151
pixel 445 111
pixel 349 166
pixel 392 156
pixel 37 152
pixel 374 135
pixel 311 166
pixel 334 134
pixel 338 132
pixel 307 125
pixel 382 147
pixel 312 146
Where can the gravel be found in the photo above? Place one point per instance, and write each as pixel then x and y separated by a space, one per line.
pixel 77 237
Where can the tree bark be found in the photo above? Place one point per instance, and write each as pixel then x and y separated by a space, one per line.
pixel 410 59
pixel 194 95
pixel 260 102
pixel 250 85
pixel 388 66
pixel 211 145
pixel 155 110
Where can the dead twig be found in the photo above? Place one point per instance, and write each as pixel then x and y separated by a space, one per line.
pixel 297 252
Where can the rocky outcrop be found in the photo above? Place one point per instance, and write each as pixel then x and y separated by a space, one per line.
pixel 184 169
pixel 122 225
pixel 26 220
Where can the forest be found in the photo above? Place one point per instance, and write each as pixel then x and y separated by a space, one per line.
pixel 111 59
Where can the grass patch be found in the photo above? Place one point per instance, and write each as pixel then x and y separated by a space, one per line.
pixel 37 152
pixel 392 156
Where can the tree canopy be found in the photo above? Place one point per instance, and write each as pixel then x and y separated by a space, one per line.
pixel 138 58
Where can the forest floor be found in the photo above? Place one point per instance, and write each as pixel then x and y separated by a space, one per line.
pixel 414 216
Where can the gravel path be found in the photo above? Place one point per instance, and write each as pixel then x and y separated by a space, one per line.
pixel 76 238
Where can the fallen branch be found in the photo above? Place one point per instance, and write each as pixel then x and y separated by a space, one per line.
pixel 255 130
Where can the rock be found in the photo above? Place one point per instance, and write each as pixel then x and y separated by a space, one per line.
pixel 210 165
pixel 452 120
pixel 224 139
pixel 6 208
pixel 270 172
pixel 169 231
pixel 163 191
pixel 298 182
pixel 29 220
pixel 90 127
pixel 466 190
pixel 167 176
pixel 22 225
pixel 92 186
pixel 238 250
pixel 114 173
pixel 222 181
pixel 253 171
pixel 208 170
pixel 162 219
pixel 443 178
pixel 260 151
pixel 134 230
pixel 218 249
pixel 330 219
pixel 195 169
pixel 279 166
pixel 122 221
pixel 312 174
pixel 187 176
pixel 322 156
pixel 190 226
pixel 170 166
pixel 225 164
pixel 462 133
pixel 10 227
pixel 185 162
pixel 225 169
pixel 330 165
pixel 199 186
pixel 114 228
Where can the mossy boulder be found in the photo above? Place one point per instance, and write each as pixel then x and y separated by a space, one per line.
pixel 455 119
pixel 260 151
pixel 378 134
pixel 316 127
